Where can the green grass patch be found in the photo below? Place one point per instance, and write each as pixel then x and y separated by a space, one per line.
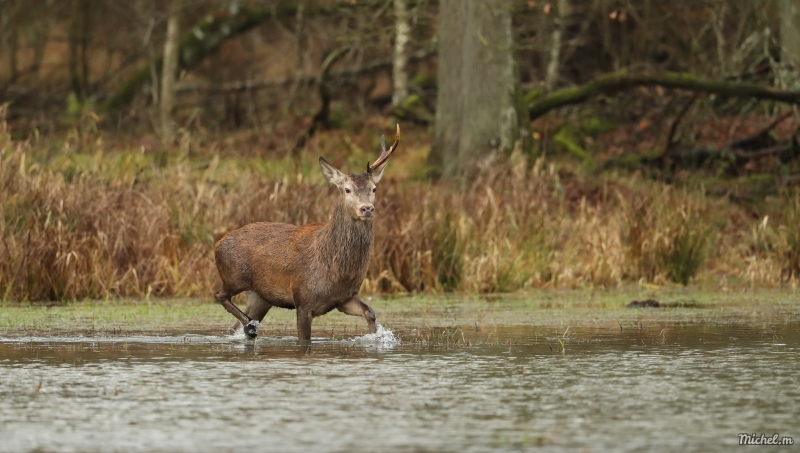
pixel 552 309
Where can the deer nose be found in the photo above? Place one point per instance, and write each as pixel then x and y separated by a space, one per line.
pixel 367 210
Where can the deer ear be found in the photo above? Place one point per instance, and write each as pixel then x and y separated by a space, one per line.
pixel 331 174
pixel 377 174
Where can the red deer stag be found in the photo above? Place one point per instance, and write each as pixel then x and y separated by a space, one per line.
pixel 313 268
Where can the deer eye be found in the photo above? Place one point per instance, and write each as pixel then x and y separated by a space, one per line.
pixel 346 190
pixel 374 189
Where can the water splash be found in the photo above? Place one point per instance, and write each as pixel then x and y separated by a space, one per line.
pixel 237 334
pixel 382 338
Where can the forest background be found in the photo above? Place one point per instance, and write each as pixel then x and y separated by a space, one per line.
pixel 573 143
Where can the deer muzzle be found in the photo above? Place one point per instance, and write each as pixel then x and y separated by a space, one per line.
pixel 366 211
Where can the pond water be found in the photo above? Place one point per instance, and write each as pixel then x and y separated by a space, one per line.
pixel 667 387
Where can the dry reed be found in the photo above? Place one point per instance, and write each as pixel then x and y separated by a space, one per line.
pixel 85 222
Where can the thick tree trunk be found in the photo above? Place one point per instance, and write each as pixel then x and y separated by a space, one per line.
pixel 399 69
pixel 476 106
pixel 171 47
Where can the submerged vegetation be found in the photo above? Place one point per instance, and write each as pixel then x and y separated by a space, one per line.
pixel 83 216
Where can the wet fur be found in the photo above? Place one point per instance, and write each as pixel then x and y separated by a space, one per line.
pixel 312 268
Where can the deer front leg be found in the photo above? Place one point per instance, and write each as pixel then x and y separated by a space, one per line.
pixel 257 309
pixel 355 307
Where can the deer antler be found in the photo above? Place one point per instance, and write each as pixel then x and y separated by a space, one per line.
pixel 385 154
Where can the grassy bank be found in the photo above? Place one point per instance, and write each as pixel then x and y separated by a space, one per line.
pixel 83 216
pixel 548 309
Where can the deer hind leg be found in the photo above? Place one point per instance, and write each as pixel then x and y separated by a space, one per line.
pixel 257 308
pixel 304 318
pixel 223 296
pixel 356 307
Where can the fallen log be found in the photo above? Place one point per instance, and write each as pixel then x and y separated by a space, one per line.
pixel 200 41
pixel 757 138
pixel 610 83
pixel 739 151
pixel 784 151
pixel 742 150
pixel 204 39
pixel 320 119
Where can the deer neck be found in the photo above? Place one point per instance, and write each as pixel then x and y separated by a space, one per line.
pixel 347 245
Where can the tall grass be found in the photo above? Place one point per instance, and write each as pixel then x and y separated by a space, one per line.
pixel 789 239
pixel 666 233
pixel 79 220
pixel 773 248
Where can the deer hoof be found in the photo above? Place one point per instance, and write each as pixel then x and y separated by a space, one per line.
pixel 251 330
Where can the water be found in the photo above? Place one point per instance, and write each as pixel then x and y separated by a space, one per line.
pixel 517 388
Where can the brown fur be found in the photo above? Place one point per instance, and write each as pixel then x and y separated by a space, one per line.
pixel 312 268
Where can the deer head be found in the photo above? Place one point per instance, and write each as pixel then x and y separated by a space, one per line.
pixel 358 191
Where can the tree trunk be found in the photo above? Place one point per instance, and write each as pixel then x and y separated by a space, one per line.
pixel 790 43
pixel 298 63
pixel 399 70
pixel 476 106
pixel 551 76
pixel 79 37
pixel 10 32
pixel 171 47
pixel 718 25
pixel 41 34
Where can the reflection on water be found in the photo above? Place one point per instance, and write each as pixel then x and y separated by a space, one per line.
pixel 664 388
